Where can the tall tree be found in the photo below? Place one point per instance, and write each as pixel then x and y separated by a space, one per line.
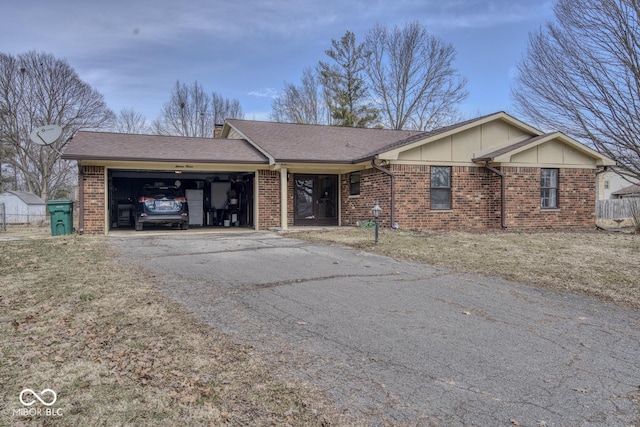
pixel 38 89
pixel 581 74
pixel 412 77
pixel 192 112
pixel 131 121
pixel 225 108
pixel 344 83
pixel 187 113
pixel 301 104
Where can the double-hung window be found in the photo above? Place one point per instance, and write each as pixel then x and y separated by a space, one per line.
pixel 354 184
pixel 440 187
pixel 549 188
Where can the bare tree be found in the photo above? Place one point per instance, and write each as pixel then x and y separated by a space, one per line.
pixel 413 78
pixel 345 87
pixel 38 89
pixel 301 104
pixel 225 108
pixel 187 113
pixel 192 112
pixel 131 121
pixel 582 75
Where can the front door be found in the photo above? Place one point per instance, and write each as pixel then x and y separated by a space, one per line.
pixel 315 199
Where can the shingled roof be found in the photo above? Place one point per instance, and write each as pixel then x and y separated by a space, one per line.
pixel 27 198
pixel 129 147
pixel 289 142
pixel 631 190
pixel 258 142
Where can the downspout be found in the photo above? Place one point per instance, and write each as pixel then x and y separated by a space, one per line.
pixel 80 198
pixel 393 189
pixel 503 225
pixel 598 172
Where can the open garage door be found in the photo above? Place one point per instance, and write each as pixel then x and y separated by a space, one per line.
pixel 214 199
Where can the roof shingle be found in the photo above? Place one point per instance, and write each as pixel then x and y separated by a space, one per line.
pixel 318 143
pixel 628 191
pixel 120 146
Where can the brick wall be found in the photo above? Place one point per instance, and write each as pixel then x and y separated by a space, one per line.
pixel 374 186
pixel 268 199
pixel 94 204
pixel 475 199
pixel 576 200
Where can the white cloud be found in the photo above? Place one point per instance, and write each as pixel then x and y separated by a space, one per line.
pixel 267 92
pixel 482 13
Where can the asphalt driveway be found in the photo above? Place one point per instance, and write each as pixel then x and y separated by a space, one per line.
pixel 404 343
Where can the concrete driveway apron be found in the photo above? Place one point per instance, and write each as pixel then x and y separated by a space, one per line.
pixel 405 343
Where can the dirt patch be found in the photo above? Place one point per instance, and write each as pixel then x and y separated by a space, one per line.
pixel 599 264
pixel 117 352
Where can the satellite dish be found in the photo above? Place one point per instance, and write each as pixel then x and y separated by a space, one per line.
pixel 46 135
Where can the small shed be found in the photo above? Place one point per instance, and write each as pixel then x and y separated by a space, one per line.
pixel 22 207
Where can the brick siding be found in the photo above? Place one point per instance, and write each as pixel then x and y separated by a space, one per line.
pixel 475 199
pixel 94 193
pixel 375 186
pixel 268 199
pixel 576 200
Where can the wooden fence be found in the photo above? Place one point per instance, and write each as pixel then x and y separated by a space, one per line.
pixel 611 209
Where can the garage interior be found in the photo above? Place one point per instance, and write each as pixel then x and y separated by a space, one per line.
pixel 215 199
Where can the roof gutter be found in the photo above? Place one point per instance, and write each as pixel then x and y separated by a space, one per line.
pixel 393 188
pixel 503 224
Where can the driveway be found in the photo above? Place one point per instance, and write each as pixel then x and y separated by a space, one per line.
pixel 405 343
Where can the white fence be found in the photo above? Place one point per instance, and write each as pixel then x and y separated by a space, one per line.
pixel 611 209
pixel 3 218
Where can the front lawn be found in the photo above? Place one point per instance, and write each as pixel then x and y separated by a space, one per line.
pixel 117 352
pixel 604 265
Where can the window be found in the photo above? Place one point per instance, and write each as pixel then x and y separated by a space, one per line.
pixel 440 187
pixel 354 184
pixel 606 185
pixel 549 188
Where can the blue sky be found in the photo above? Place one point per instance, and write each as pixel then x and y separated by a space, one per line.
pixel 133 51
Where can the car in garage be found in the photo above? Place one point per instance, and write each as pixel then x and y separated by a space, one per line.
pixel 161 205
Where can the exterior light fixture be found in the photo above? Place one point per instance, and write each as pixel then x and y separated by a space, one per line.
pixel 376 214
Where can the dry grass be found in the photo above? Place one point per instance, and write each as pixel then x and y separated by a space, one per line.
pixel 599 264
pixel 119 353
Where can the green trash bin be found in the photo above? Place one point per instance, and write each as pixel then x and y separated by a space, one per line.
pixel 61 212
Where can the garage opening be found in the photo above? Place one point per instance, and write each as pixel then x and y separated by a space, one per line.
pixel 213 199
